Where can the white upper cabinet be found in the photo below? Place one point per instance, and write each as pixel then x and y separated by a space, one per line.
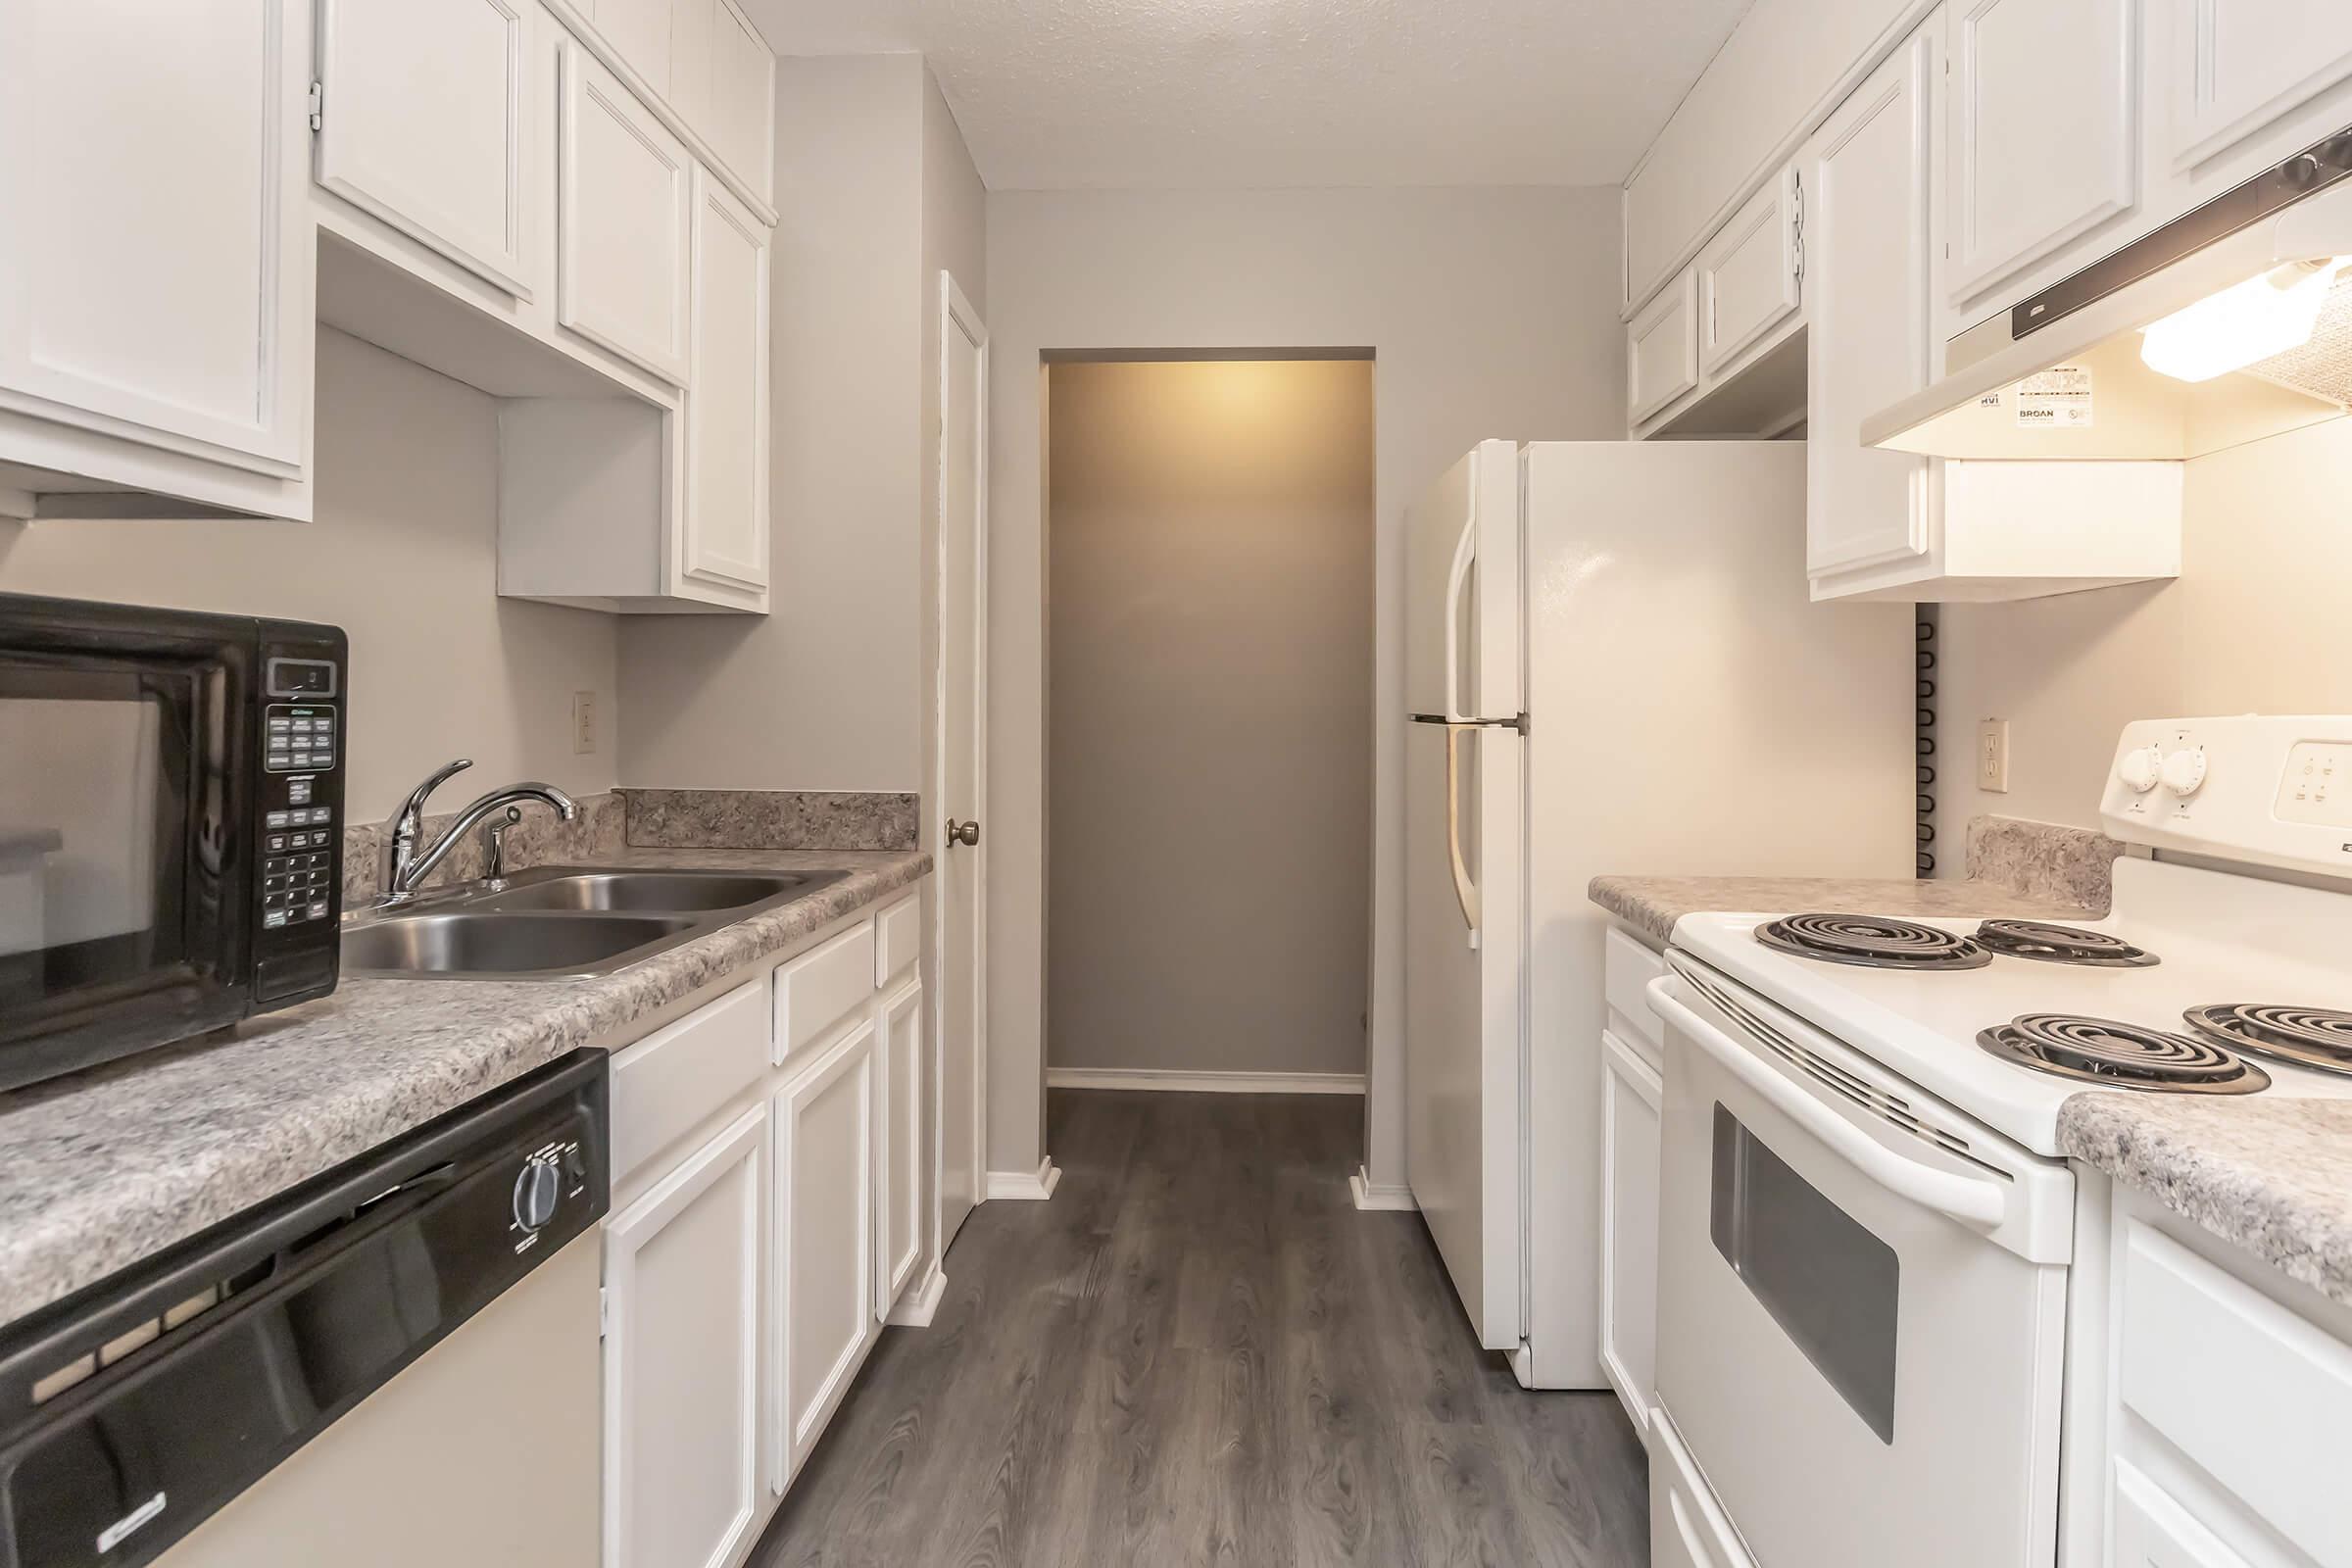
pixel 2235 66
pixel 445 166
pixel 725 540
pixel 625 206
pixel 1749 274
pixel 1867 271
pixel 1661 349
pixel 740 122
pixel 156 273
pixel 2044 131
pixel 640 32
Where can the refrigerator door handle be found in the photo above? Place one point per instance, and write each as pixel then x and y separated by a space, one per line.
pixel 1465 555
pixel 1465 891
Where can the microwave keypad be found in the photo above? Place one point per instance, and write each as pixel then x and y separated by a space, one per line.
pixel 295 886
pixel 302 738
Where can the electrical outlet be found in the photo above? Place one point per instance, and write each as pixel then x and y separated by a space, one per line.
pixel 1993 754
pixel 583 723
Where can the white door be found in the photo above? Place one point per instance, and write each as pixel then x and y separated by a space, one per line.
pixel 1867 339
pixel 1749 275
pixel 2043 128
pixel 1860 1328
pixel 682 1359
pixel 1463 1122
pixel 155 273
pixel 1631 1092
pixel 899 1146
pixel 960 1019
pixel 624 223
pixel 725 539
pixel 2239 66
pixel 825 1241
pixel 446 167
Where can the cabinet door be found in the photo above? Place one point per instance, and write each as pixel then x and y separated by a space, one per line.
pixel 1749 274
pixel 899 1148
pixel 446 166
pixel 682 1357
pixel 2152 1530
pixel 739 125
pixel 1661 349
pixel 1631 1092
pixel 625 217
pixel 824 1240
pixel 2043 127
pixel 2236 67
pixel 1868 322
pixel 156 265
pixel 639 32
pixel 725 537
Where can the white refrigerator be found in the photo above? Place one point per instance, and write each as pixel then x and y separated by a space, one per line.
pixel 1614 665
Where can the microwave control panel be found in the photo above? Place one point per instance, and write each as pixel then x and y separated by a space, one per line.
pixel 299 869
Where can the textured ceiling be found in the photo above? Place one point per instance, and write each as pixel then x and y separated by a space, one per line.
pixel 1053 94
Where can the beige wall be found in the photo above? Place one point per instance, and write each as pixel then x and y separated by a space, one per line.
pixel 822 692
pixel 1490 312
pixel 403 556
pixel 1211 691
pixel 2255 623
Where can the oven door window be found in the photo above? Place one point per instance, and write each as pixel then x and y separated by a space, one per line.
pixel 1828 1283
pixel 110 837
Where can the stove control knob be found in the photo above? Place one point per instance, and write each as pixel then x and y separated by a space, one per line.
pixel 2139 770
pixel 2184 771
pixel 536 1190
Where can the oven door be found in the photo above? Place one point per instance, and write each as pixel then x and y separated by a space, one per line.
pixel 1861 1298
pixel 124 874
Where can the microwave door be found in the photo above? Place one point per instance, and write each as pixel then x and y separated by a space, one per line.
pixel 120 863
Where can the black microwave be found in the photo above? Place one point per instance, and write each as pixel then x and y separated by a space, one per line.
pixel 171 825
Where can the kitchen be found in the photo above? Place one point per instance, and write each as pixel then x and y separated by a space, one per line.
pixel 654 1162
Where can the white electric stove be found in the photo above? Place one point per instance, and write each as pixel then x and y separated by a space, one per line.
pixel 1865 1220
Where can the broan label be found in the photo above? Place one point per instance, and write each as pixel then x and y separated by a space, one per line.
pixel 2056 399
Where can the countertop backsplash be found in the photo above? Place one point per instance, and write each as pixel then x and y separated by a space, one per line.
pixel 661 820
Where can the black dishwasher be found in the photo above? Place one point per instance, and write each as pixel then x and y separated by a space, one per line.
pixel 134 1409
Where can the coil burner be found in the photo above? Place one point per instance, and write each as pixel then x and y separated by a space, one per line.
pixel 2318 1038
pixel 2062 944
pixel 2121 1056
pixel 1873 942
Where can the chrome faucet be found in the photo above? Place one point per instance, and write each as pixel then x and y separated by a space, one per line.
pixel 408 866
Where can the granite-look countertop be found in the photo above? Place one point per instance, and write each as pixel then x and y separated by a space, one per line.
pixel 2271 1175
pixel 105 1167
pixel 1653 904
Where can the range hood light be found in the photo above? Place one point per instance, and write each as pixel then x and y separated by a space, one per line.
pixel 2241 326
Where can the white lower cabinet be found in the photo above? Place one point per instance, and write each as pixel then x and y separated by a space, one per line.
pixel 899 1146
pixel 1632 1094
pixel 825 1241
pixel 682 1358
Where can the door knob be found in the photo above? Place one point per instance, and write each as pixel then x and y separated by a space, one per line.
pixel 965 833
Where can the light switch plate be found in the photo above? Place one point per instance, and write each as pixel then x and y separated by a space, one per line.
pixel 1993 754
pixel 583 723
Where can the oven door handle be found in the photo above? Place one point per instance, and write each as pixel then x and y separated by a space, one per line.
pixel 1979 1202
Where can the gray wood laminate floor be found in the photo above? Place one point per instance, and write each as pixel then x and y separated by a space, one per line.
pixel 1200 1352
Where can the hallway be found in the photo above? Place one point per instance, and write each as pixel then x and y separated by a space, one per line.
pixel 1200 1352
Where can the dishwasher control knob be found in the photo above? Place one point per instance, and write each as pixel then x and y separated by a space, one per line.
pixel 536 1190
pixel 2184 771
pixel 2140 769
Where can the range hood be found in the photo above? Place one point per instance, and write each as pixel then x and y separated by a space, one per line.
pixel 2227 324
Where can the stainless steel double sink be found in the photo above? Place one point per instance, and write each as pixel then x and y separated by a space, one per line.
pixel 562 922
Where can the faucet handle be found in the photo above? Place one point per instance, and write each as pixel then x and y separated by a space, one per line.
pixel 414 806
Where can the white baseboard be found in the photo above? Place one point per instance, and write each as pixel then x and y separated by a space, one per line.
pixel 920 1301
pixel 1368 1196
pixel 1024 1185
pixel 1170 1081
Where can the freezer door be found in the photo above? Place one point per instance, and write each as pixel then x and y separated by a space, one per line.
pixel 1462 591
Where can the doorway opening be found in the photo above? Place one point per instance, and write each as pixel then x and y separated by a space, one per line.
pixel 1209 750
